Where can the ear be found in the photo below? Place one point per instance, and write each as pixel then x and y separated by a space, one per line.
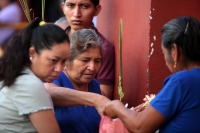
pixel 63 6
pixel 175 52
pixel 98 9
pixel 32 52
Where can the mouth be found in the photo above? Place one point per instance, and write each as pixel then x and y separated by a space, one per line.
pixel 76 22
pixel 53 77
pixel 89 76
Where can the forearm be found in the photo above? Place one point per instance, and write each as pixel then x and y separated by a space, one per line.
pixel 148 120
pixel 69 97
pixel 127 116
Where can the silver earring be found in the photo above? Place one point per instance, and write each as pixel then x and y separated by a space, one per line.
pixel 31 58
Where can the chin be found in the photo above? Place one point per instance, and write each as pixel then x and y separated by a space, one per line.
pixel 48 80
pixel 77 27
pixel 88 80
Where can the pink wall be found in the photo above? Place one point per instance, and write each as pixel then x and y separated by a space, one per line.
pixel 142 73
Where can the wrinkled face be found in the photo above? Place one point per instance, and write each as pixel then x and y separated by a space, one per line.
pixel 49 63
pixel 85 67
pixel 168 59
pixel 79 13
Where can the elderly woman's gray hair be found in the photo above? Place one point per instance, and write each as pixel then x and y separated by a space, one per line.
pixel 82 40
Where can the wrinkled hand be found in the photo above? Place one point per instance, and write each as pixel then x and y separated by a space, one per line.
pixel 142 106
pixel 111 107
pixel 100 103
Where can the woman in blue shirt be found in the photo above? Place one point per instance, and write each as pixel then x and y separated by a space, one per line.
pixel 176 108
pixel 82 66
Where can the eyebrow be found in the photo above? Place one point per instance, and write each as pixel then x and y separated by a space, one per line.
pixel 57 57
pixel 81 57
pixel 83 3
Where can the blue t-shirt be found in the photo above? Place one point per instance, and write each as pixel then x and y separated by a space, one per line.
pixel 77 119
pixel 179 102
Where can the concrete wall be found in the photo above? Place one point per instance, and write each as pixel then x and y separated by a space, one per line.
pixel 144 67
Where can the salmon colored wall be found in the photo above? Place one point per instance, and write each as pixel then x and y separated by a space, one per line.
pixel 142 22
pixel 135 17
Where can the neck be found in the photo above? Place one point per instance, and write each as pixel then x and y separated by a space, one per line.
pixel 71 31
pixel 193 65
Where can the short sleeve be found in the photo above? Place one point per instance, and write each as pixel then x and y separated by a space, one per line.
pixel 168 100
pixel 106 74
pixel 30 96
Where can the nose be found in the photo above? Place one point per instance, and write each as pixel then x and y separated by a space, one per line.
pixel 77 12
pixel 91 66
pixel 59 67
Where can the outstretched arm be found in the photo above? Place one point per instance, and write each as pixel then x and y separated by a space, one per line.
pixel 149 120
pixel 68 97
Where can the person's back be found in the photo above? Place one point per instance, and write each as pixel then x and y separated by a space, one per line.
pixel 184 113
pixel 176 108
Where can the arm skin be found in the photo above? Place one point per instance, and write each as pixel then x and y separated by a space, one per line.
pixel 147 121
pixel 68 97
pixel 107 90
pixel 45 121
pixel 142 106
pixel 139 108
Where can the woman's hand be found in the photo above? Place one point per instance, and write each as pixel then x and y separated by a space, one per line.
pixel 147 100
pixel 99 102
pixel 112 107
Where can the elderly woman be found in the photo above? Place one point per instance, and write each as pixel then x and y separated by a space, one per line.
pixel 82 66
pixel 176 108
pixel 79 15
